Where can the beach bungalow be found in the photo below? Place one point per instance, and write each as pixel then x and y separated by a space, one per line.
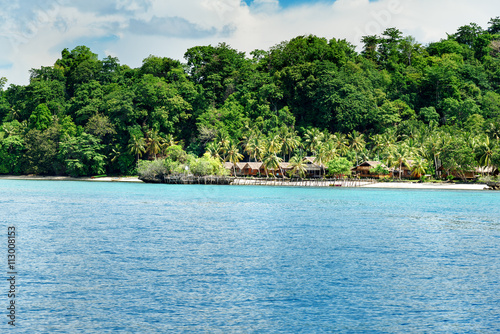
pixel 239 168
pixel 471 174
pixel 313 169
pixel 254 169
pixel 405 170
pixel 363 170
pixel 284 167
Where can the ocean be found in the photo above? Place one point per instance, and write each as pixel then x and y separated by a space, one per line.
pixel 97 257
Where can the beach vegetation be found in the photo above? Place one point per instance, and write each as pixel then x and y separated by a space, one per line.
pixel 418 109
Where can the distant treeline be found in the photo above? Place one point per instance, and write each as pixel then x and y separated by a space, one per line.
pixel 436 104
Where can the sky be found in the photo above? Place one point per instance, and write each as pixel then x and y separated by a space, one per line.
pixel 33 33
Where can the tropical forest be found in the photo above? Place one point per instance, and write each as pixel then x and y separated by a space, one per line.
pixel 389 99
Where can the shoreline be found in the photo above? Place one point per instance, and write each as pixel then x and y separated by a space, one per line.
pixel 440 186
pixel 380 185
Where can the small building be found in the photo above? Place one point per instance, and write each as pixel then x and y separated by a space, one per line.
pixel 313 169
pixel 471 174
pixel 363 169
pixel 405 170
pixel 254 169
pixel 239 168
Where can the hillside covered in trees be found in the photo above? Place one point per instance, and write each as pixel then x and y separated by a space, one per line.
pixel 436 104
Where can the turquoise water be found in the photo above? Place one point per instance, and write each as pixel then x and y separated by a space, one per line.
pixel 141 258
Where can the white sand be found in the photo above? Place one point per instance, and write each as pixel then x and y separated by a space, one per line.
pixel 415 185
pixel 392 185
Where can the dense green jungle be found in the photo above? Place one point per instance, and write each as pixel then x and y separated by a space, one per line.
pixel 395 100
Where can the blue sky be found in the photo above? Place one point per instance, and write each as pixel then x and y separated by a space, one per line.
pixel 33 33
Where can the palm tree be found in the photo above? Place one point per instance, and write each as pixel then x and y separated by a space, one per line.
pixel 137 146
pixel 224 142
pixel 289 142
pixel 213 149
pixel 271 162
pixel 154 143
pixel 275 144
pixel 418 168
pixel 253 147
pixel 312 138
pixel 326 152
pixel 356 142
pixel 298 165
pixel 170 141
pixel 402 156
pixel 485 152
pixel 341 143
pixel 234 156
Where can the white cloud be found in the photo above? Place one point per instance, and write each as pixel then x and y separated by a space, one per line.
pixel 32 35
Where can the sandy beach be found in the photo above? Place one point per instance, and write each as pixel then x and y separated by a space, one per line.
pixel 389 185
pixel 415 185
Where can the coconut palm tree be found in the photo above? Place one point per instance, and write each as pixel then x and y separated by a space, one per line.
pixel 223 141
pixel 234 156
pixel 485 152
pixel 419 168
pixel 402 155
pixel 289 142
pixel 341 143
pixel 275 144
pixel 271 162
pixel 137 146
pixel 326 153
pixel 356 142
pixel 154 143
pixel 170 141
pixel 213 149
pixel 298 165
pixel 312 138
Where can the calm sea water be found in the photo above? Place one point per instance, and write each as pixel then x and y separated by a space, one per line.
pixel 140 258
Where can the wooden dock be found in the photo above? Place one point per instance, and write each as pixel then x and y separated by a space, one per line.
pixel 303 183
pixel 244 181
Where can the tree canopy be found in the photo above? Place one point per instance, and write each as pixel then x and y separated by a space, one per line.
pixel 396 99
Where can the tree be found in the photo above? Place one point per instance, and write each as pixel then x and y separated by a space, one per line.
pixel 41 118
pixel 356 142
pixel 234 156
pixel 82 155
pixel 271 161
pixel 339 167
pixel 313 138
pixel 418 168
pixel 298 165
pixel 154 143
pixel 494 25
pixel 485 152
pixel 137 146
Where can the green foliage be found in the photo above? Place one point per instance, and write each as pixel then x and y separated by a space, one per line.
pixel 380 169
pixel 176 153
pixel 41 118
pixel 339 167
pixel 395 101
pixel 82 155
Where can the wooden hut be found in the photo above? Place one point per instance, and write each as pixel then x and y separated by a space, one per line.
pixel 254 169
pixel 313 169
pixel 239 168
pixel 363 170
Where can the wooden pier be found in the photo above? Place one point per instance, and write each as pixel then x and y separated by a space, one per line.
pixel 304 183
pixel 226 180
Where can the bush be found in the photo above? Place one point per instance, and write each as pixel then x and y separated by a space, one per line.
pixel 379 170
pixel 339 166
pixel 152 169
